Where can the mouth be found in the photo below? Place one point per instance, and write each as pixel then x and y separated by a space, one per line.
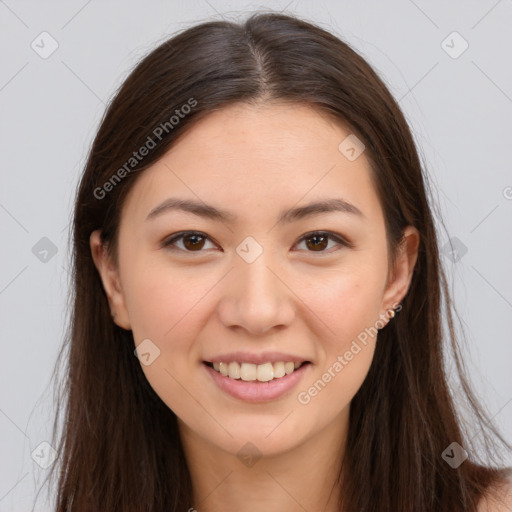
pixel 249 372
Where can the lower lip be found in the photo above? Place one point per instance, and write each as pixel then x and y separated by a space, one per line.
pixel 255 391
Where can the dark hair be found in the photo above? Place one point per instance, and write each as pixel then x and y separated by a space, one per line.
pixel 120 448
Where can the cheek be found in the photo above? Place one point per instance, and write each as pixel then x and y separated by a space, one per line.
pixel 346 302
pixel 347 309
pixel 161 300
pixel 336 384
pixel 165 307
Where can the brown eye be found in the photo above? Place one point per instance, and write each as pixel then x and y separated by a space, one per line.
pixel 318 241
pixel 195 241
pixel 191 242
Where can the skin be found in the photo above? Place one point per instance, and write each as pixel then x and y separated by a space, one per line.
pixel 256 161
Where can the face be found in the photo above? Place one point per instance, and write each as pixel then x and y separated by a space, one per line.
pixel 266 279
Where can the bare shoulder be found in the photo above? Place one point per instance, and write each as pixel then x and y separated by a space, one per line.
pixel 499 497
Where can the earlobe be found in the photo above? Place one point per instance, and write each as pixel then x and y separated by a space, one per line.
pixel 110 278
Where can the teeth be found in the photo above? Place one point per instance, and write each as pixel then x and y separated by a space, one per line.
pixel 260 372
pixel 279 370
pixel 234 370
pixel 265 372
pixel 247 371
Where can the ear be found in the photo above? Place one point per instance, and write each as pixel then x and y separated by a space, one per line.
pixel 110 278
pixel 400 278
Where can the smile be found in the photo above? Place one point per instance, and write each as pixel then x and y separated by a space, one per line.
pixel 251 382
pixel 256 372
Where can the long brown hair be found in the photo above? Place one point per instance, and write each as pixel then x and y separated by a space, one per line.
pixel 119 449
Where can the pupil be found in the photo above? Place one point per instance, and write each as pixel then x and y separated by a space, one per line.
pixel 320 246
pixel 195 243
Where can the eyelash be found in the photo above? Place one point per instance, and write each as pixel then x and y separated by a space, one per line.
pixel 168 243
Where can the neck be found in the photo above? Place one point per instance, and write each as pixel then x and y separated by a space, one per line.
pixel 303 478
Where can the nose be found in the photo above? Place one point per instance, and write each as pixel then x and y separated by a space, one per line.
pixel 256 297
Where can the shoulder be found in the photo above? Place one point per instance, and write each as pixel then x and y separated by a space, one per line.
pixel 499 496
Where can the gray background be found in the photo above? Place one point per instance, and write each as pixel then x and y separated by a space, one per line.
pixel 459 110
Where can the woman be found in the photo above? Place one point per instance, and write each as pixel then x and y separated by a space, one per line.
pixel 258 292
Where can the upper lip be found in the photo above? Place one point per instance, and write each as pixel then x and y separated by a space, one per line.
pixel 259 358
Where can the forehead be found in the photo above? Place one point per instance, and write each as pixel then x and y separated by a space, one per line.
pixel 257 158
pixel 274 137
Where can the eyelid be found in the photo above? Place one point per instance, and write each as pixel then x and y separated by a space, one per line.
pixel 339 239
pixel 167 242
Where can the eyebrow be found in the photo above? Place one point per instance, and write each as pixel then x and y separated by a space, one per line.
pixel 286 216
